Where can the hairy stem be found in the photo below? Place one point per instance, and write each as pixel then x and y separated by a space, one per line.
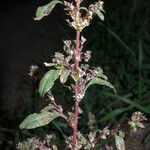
pixel 76 56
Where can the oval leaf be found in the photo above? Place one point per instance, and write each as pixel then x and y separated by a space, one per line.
pixel 99 81
pixel 46 9
pixel 37 120
pixel 64 75
pixel 120 144
pixel 48 80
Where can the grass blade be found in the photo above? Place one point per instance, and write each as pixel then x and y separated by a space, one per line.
pixel 130 102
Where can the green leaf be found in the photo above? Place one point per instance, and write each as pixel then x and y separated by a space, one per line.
pixel 37 120
pixel 100 15
pixel 99 81
pixel 64 75
pixel 48 80
pixel 120 144
pixel 46 9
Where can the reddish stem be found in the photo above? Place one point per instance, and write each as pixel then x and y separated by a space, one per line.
pixel 76 60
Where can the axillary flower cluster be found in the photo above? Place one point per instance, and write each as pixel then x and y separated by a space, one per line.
pixel 82 20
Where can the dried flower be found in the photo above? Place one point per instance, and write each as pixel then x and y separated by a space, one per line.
pixel 98 70
pixel 33 70
pixel 91 120
pixel 85 67
pixel 71 119
pixel 104 133
pixel 87 56
pixel 68 47
pixel 138 116
pixel 92 137
pixel 32 144
pixel 79 21
pixel 58 58
pixel 136 120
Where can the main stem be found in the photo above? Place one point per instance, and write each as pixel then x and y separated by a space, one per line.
pixel 76 60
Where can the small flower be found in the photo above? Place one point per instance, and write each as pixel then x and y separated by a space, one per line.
pixel 91 137
pixel 50 137
pixel 122 134
pixel 91 120
pixel 80 96
pixel 104 133
pixel 99 70
pixel 68 47
pixel 80 110
pixel 138 116
pixel 83 40
pixel 87 55
pixel 71 119
pixel 136 120
pixel 58 58
pixel 81 72
pixel 85 67
pixel 33 70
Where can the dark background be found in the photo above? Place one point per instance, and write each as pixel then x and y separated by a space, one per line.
pixel 120 45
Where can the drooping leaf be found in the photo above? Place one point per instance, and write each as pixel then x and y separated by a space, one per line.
pixel 99 81
pixel 45 10
pixel 48 80
pixel 64 75
pixel 37 120
pixel 120 144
